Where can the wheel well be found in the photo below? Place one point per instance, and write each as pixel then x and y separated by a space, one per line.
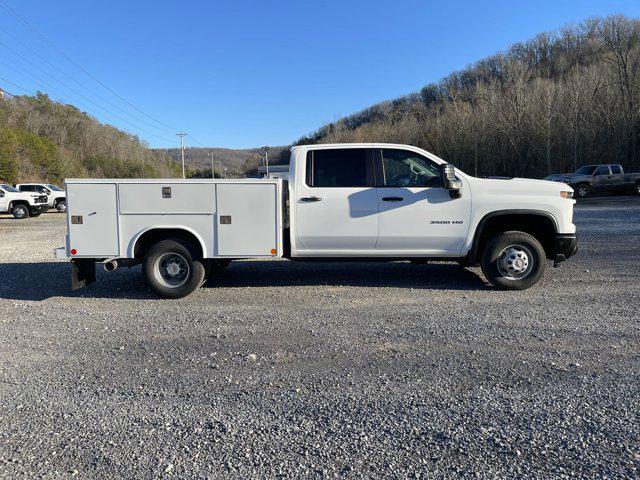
pixel 18 202
pixel 537 225
pixel 155 235
pixel 60 199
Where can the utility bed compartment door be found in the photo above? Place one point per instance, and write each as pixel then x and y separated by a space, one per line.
pixel 169 198
pixel 93 220
pixel 247 219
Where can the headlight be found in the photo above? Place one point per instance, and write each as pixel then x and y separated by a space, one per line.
pixel 566 194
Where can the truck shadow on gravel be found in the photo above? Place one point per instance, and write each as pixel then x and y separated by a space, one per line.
pixel 40 281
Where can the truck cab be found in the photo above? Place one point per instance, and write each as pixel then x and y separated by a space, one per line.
pixel 56 197
pixel 336 202
pixel 21 204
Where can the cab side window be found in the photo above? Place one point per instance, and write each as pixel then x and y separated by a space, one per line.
pixel 603 170
pixel 402 168
pixel 337 167
pixel 616 170
pixel 27 188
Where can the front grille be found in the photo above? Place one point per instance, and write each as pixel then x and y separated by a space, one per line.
pixel 42 199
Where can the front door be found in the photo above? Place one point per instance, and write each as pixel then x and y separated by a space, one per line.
pixel 337 203
pixel 601 179
pixel 417 216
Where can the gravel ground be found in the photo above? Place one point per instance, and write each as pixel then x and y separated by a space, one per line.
pixel 280 369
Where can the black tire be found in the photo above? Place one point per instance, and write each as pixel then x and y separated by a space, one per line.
pixel 513 260
pixel 61 206
pixel 172 270
pixel 20 212
pixel 636 188
pixel 583 190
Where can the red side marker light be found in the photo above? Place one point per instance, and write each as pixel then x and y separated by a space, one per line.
pixel 73 251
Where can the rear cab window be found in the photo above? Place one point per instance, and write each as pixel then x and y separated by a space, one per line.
pixel 339 168
pixel 616 169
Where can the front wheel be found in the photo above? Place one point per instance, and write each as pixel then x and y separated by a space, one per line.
pixel 582 191
pixel 636 188
pixel 61 206
pixel 171 270
pixel 513 260
pixel 20 211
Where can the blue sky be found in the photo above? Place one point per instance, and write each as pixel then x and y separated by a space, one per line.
pixel 250 73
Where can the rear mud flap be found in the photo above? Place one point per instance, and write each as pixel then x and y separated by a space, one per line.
pixel 83 272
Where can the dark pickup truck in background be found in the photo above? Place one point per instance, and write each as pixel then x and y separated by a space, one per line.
pixel 604 178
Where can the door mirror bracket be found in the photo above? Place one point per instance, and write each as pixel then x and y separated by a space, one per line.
pixel 449 180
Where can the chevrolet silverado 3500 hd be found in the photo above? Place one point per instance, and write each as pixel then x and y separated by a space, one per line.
pixel 341 201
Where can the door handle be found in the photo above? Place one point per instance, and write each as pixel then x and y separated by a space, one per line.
pixel 310 199
pixel 392 199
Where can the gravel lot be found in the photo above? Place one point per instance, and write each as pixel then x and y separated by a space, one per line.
pixel 278 369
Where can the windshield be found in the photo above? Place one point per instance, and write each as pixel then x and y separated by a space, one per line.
pixel 8 188
pixel 54 188
pixel 586 170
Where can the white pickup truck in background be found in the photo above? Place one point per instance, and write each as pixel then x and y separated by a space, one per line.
pixel 21 204
pixel 341 201
pixel 56 197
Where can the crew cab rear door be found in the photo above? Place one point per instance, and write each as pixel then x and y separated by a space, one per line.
pixel 336 204
pixel 416 215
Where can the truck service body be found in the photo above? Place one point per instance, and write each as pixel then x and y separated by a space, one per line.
pixel 340 201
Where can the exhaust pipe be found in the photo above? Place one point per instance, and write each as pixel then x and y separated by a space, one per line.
pixel 110 266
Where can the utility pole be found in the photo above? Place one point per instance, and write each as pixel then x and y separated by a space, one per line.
pixel 266 158
pixel 182 135
pixel 211 155
pixel 220 166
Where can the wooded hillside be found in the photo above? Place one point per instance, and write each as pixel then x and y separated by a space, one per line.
pixel 42 140
pixel 558 101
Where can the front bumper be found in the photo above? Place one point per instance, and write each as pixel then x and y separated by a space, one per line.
pixel 565 245
pixel 39 208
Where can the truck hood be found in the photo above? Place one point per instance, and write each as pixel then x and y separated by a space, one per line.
pixel 524 186
pixel 28 196
pixel 568 178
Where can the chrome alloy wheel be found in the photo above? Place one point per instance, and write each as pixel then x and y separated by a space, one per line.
pixel 515 262
pixel 171 270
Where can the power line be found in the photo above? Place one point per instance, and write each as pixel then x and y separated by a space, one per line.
pixel 137 127
pixel 75 80
pixel 40 35
pixel 28 92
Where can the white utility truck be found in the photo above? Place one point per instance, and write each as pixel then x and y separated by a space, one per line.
pixel 341 201
pixel 21 204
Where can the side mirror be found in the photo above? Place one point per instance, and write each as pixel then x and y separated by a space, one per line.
pixel 449 180
pixel 1 194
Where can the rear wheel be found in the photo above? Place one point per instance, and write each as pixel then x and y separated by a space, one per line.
pixel 171 269
pixel 582 190
pixel 20 211
pixel 61 206
pixel 636 188
pixel 513 260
